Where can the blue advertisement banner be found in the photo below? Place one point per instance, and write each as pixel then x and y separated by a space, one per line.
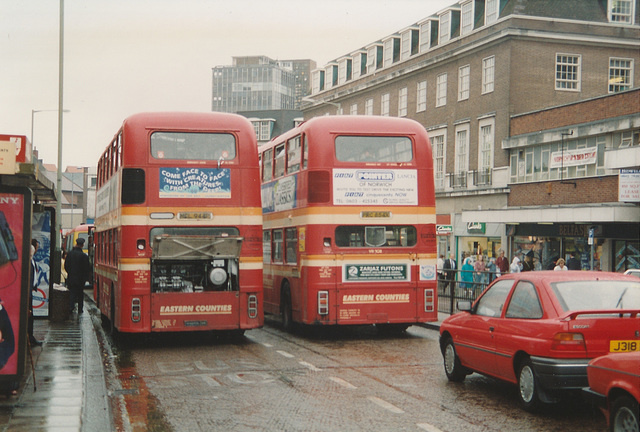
pixel 179 182
pixel 280 195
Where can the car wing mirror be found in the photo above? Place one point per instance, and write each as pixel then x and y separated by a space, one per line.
pixel 464 305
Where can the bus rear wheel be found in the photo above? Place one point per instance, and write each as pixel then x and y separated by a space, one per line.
pixel 286 310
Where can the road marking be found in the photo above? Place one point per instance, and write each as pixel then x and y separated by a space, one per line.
pixel 343 383
pixel 386 405
pixel 310 366
pixel 428 427
pixel 267 345
pixel 285 354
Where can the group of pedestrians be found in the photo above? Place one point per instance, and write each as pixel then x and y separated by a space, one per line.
pixel 479 273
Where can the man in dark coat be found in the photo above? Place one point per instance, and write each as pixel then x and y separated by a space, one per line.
pixel 78 270
pixel 449 268
pixel 573 263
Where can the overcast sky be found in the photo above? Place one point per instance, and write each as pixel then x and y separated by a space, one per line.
pixel 126 56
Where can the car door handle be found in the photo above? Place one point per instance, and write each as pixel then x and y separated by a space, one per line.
pixel 491 329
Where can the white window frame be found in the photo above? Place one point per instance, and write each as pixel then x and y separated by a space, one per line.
pixel 387 52
pixel 491 12
pixel 488 74
pixel 371 58
pixel 405 45
pixel 466 17
pixel 402 102
pixel 441 90
pixel 461 166
pixel 463 82
pixel 615 87
pixel 425 36
pixel 384 104
pixel 486 143
pixel 421 96
pixel 353 109
pixel 439 148
pixel 368 106
pixel 619 16
pixel 445 24
pixel 564 71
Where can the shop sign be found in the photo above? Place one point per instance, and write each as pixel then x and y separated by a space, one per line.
pixel 444 229
pixel 567 158
pixel 476 227
pixel 629 186
pixel 573 230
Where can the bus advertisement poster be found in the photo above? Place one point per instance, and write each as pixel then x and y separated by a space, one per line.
pixel 177 182
pixel 375 272
pixel 41 231
pixel 280 195
pixel 15 246
pixel 375 187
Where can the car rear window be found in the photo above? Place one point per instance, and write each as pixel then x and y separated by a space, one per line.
pixel 598 295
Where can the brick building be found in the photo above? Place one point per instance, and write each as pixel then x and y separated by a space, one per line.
pixel 480 75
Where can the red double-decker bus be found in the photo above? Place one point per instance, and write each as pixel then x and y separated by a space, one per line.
pixel 349 223
pixel 178 225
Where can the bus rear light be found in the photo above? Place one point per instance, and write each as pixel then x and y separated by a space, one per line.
pixel 429 300
pixel 323 302
pixel 135 309
pixel 252 306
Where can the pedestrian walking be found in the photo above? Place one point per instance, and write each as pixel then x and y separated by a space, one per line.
pixel 573 263
pixel 560 265
pixel 34 288
pixel 449 268
pixel 78 270
pixel 515 265
pixel 527 264
pixel 479 268
pixel 502 263
pixel 466 275
pixel 440 271
pixel 492 269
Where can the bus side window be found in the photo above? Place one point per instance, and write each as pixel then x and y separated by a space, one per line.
pixel 267 164
pixel 276 254
pixel 305 151
pixel 294 154
pixel 279 161
pixel 291 245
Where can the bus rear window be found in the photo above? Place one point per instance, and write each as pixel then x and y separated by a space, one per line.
pixel 373 149
pixel 375 236
pixel 193 146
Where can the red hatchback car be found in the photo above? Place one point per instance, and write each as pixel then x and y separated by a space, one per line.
pixel 540 329
pixel 614 382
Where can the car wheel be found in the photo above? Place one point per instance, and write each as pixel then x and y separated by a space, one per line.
pixel 452 367
pixel 528 390
pixel 624 415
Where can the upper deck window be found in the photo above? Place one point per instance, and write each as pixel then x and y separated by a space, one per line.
pixel 373 149
pixel 193 146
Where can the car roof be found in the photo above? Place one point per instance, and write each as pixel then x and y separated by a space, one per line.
pixel 570 275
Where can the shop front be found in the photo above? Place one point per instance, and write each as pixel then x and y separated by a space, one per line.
pixel 479 239
pixel 597 246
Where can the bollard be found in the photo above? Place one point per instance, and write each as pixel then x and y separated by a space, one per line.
pixel 59 303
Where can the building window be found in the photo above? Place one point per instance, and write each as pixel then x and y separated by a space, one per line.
pixel 485 149
pixel 402 102
pixel 567 72
pixel 462 155
pixel 421 96
pixel 425 36
pixel 384 105
pixel 467 18
pixel 620 74
pixel 437 145
pixel 368 107
pixel 488 74
pixel 463 82
pixel 441 90
pixel 491 11
pixel 354 109
pixel 445 27
pixel 621 11
pixel 405 52
pixel 265 130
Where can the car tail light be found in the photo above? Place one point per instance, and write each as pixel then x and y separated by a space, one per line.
pixel 135 309
pixel 323 302
pixel 252 306
pixel 568 342
pixel 429 300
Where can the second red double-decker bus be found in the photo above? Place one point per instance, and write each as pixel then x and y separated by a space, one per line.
pixel 178 224
pixel 349 223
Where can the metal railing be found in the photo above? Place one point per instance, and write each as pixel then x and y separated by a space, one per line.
pixel 462 287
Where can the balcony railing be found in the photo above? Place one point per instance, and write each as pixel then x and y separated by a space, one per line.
pixel 482 177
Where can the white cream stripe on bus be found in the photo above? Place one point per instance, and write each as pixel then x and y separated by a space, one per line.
pixel 144 265
pixel 352 219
